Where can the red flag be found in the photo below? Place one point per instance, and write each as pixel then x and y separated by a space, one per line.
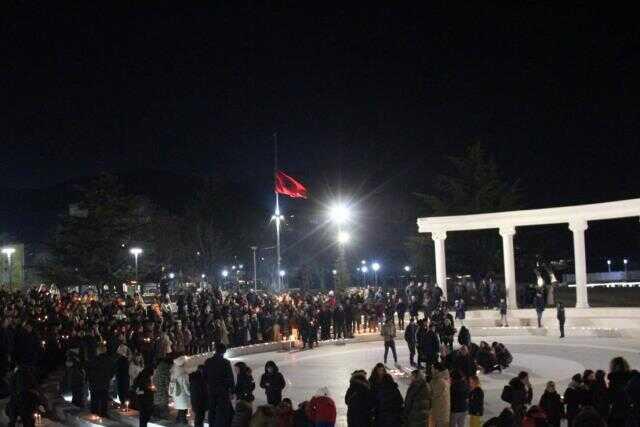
pixel 289 186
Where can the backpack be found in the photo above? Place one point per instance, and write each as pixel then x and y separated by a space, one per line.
pixel 507 394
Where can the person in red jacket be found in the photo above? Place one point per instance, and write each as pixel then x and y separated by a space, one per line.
pixel 321 409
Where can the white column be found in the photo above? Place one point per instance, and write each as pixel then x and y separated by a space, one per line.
pixel 580 262
pixel 441 264
pixel 508 255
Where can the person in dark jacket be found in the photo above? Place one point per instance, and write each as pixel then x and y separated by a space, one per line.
pixel 389 403
pixel 551 404
pixel 431 347
pixel 601 394
pixel 464 336
pixel 461 310
pixel 360 401
pixel 459 400
pixel 300 418
pixel 198 393
pixel 122 373
pixel 619 376
pixel 410 336
pixel 417 403
pixel 633 391
pixel 476 402
pixel 560 314
pixel 401 309
pixel 100 370
pixel 505 419
pixel 539 304
pixel 220 384
pixel 519 399
pixel 573 397
pixel 273 383
pixel 144 390
pixel 244 382
pixel 25 399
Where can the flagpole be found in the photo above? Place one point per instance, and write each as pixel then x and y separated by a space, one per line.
pixel 277 214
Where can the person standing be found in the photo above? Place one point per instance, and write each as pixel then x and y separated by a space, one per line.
pixel 144 390
pixel 431 347
pixel 476 402
pixel 100 370
pixel 417 402
pixel 388 331
pixel 459 399
pixel 220 384
pixel 503 313
pixel 360 401
pixel 179 389
pixel 441 403
pixel 539 304
pixel 561 318
pixel 461 310
pixel 273 383
pixel 244 382
pixel 551 404
pixel 401 309
pixel 410 336
pixel 198 393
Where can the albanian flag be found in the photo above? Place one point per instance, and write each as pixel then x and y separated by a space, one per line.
pixel 289 186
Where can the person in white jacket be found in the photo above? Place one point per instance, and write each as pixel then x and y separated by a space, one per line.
pixel 179 389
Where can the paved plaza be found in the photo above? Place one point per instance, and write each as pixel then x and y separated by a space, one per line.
pixel 545 358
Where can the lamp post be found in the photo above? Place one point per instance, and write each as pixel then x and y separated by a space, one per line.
pixel 364 270
pixel 9 251
pixel 136 253
pixel 375 266
pixel 255 268
pixel 339 214
pixel 609 265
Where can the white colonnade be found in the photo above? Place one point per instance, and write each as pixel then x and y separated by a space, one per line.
pixel 576 217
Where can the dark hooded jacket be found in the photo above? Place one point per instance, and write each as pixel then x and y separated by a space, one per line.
pixel 389 403
pixel 360 402
pixel 273 383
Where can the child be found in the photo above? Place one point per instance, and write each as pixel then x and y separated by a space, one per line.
pixel 476 402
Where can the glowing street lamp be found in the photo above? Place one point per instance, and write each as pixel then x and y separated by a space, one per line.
pixel 172 275
pixel 334 272
pixel 625 262
pixel 609 265
pixel 136 252
pixel 225 273
pixel 343 237
pixel 282 273
pixel 407 268
pixel 375 266
pixel 363 262
pixel 364 270
pixel 339 213
pixel 9 251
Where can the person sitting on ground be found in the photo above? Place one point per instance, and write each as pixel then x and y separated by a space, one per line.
pixel 503 356
pixel 487 359
pixel 505 419
pixel 321 409
pixel 464 336
pixel 300 418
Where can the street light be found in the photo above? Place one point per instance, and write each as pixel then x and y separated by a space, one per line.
pixel 407 268
pixel 364 270
pixel 334 272
pixel 625 262
pixel 609 265
pixel 225 273
pixel 136 253
pixel 375 266
pixel 343 237
pixel 339 213
pixel 363 262
pixel 282 273
pixel 9 251
pixel 172 275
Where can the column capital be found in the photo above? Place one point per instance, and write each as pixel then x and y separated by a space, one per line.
pixel 578 225
pixel 507 230
pixel 438 234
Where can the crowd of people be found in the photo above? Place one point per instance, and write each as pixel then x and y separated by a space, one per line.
pixel 122 351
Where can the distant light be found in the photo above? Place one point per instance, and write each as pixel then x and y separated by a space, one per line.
pixel 334 272
pixel 343 237
pixel 364 269
pixel 241 266
pixel 339 213
pixel 282 273
pixel 608 262
pixel 375 266
pixel 8 251
pixel 135 251
pixel 233 267
pixel 225 273
pixel 363 262
pixel 203 275
pixel 172 275
pixel 625 261
pixel 407 268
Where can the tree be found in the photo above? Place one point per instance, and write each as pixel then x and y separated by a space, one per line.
pixel 473 186
pixel 91 244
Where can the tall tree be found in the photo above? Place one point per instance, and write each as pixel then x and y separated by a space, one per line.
pixel 473 186
pixel 91 244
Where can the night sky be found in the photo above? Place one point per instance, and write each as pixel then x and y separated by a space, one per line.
pixel 359 98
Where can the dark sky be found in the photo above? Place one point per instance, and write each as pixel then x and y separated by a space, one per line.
pixel 368 94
